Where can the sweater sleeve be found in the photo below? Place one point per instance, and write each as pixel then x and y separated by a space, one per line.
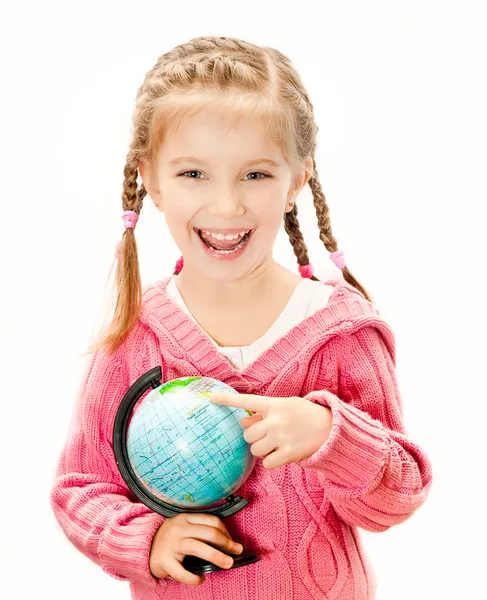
pixel 374 476
pixel 91 502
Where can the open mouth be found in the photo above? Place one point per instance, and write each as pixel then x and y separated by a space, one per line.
pixel 224 244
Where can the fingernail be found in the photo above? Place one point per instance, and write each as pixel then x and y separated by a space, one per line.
pixel 238 547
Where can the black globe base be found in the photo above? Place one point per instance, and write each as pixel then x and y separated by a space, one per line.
pixel 199 566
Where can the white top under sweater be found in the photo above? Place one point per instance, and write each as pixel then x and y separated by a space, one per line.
pixel 308 297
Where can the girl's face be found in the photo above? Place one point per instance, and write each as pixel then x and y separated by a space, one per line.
pixel 219 181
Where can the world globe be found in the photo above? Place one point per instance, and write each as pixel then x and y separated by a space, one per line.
pixel 184 449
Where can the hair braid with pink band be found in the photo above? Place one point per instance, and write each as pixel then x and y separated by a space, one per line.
pixel 130 219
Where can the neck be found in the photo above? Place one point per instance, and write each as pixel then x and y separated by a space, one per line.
pixel 195 287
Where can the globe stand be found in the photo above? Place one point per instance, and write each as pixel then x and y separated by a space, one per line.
pixel 230 506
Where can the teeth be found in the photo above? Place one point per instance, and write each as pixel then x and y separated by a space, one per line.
pixel 240 245
pixel 229 236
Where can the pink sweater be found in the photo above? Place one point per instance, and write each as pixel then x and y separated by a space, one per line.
pixel 302 518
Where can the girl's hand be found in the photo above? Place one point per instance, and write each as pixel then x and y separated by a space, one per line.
pixel 196 534
pixel 286 430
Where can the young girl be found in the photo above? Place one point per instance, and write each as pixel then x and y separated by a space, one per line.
pixel 224 140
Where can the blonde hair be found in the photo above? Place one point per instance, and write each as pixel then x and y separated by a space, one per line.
pixel 229 73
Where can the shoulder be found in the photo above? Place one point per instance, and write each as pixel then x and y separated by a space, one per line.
pixel 315 294
pixel 136 354
pixel 108 375
pixel 344 313
pixel 155 293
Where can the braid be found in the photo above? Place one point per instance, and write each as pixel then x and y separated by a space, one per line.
pixel 291 225
pixel 324 225
pixel 322 212
pixel 129 285
pixel 131 196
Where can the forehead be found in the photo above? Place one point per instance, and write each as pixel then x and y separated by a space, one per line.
pixel 219 134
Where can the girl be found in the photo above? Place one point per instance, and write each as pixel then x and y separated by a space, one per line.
pixel 224 140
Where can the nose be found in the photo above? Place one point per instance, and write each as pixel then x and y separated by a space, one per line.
pixel 226 205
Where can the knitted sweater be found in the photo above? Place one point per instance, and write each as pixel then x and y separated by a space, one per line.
pixel 303 518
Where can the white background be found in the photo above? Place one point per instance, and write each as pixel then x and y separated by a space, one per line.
pixel 399 90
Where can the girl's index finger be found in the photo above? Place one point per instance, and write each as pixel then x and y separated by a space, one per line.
pixel 246 401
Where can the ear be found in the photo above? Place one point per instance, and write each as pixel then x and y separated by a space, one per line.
pixel 301 178
pixel 152 191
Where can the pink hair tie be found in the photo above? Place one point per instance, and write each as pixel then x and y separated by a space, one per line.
pixel 338 258
pixel 179 265
pixel 306 270
pixel 130 218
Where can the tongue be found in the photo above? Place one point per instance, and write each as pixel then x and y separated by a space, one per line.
pixel 221 244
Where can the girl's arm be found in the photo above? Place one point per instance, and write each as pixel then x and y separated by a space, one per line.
pixel 373 474
pixel 96 510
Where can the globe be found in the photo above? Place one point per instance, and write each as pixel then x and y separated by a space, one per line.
pixel 186 450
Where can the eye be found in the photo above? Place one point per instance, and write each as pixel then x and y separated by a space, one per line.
pixel 264 175
pixel 191 172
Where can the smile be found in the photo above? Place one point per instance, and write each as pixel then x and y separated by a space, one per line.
pixel 225 243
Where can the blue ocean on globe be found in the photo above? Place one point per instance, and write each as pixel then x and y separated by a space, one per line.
pixel 186 450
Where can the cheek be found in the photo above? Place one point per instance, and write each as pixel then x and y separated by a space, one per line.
pixel 179 219
pixel 270 212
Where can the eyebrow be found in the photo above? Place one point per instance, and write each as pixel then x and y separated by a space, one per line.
pixel 254 161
